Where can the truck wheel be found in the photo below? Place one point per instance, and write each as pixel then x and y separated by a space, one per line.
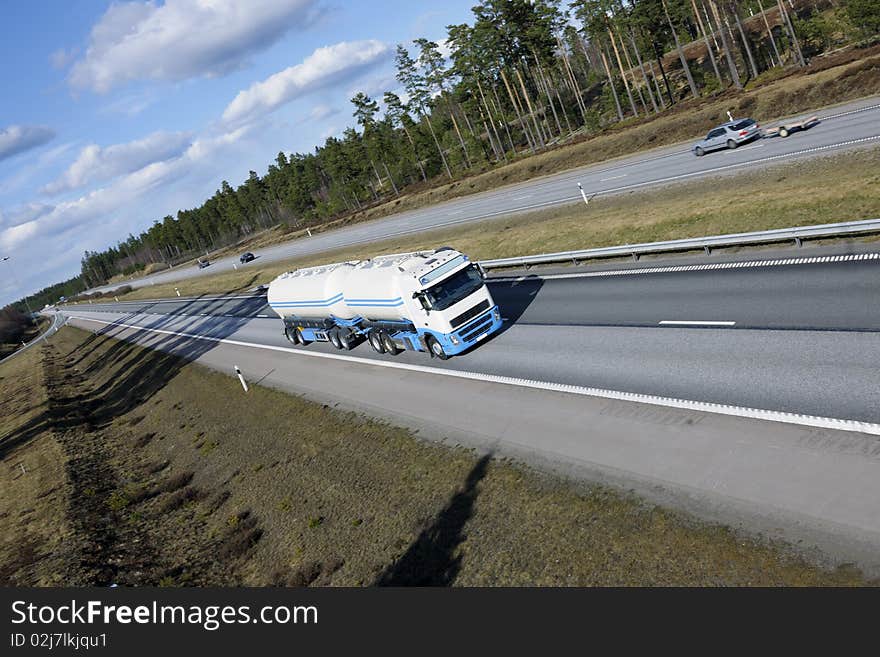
pixel 436 348
pixel 783 131
pixel 300 337
pixel 290 334
pixel 731 144
pixel 375 340
pixel 389 345
pixel 347 339
pixel 333 334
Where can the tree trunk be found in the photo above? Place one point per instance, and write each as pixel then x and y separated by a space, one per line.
pixel 770 34
pixel 632 103
pixel 611 82
pixel 547 92
pixel 658 55
pixel 728 56
pixel 531 109
pixel 436 143
pixel 681 57
pixel 573 81
pixel 657 86
pixel 745 40
pixel 709 51
pixel 497 101
pixel 491 120
pixel 794 40
pixel 415 152
pixel 518 112
pixel 632 40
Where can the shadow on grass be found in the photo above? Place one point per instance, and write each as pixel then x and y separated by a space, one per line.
pixel 129 375
pixel 431 559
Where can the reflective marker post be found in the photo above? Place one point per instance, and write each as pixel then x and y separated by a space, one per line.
pixel 241 378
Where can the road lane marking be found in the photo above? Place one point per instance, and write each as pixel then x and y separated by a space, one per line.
pixel 705 407
pixel 683 268
pixel 520 198
pixel 694 322
pixel 623 175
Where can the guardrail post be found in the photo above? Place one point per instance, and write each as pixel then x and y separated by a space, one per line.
pixel 797 241
pixel 707 249
pixel 635 256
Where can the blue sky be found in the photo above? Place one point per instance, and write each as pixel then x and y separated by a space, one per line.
pixel 116 114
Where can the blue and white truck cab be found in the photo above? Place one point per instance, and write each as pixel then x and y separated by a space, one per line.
pixel 435 301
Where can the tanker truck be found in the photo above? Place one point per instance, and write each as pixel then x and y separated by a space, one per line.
pixel 434 301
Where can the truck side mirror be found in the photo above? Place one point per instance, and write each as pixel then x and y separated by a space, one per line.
pixel 422 300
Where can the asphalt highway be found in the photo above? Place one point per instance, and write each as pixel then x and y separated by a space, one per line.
pixel 848 126
pixel 771 424
pixel 799 338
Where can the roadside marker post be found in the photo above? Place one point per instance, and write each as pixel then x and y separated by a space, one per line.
pixel 241 378
pixel 178 291
pixel 309 231
pixel 583 194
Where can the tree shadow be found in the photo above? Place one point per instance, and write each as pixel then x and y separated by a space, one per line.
pixel 431 559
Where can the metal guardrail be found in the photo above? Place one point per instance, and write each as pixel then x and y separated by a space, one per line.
pixel 45 334
pixel 796 235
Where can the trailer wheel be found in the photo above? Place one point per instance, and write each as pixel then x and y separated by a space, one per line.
pixel 291 335
pixel 436 348
pixel 731 144
pixel 388 343
pixel 347 339
pixel 297 332
pixel 783 131
pixel 333 335
pixel 375 340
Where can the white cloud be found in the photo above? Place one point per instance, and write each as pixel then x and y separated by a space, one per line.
pixel 325 66
pixel 322 111
pixel 100 206
pixel 19 138
pixel 181 39
pixel 95 163
pixel 61 58
pixel 25 214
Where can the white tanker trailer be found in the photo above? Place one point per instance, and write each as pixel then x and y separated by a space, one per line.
pixel 434 301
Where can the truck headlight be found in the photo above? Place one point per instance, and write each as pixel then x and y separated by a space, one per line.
pixel 453 339
pixel 496 314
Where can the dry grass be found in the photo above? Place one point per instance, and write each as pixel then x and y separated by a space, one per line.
pixel 32 475
pixel 776 197
pixel 298 493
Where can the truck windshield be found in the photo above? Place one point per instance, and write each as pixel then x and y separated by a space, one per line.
pixel 455 288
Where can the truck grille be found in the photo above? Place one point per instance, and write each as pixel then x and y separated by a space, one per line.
pixel 470 314
pixel 476 329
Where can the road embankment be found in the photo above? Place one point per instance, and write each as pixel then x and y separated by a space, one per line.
pixel 168 473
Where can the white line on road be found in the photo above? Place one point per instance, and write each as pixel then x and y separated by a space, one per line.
pixel 520 198
pixel 706 407
pixel 623 175
pixel 263 316
pixel 694 322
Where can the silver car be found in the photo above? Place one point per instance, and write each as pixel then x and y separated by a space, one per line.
pixel 729 135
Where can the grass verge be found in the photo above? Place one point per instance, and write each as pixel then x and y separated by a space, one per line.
pixel 173 476
pixel 792 194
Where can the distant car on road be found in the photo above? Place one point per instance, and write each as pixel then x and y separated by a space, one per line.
pixel 728 135
pixel 203 264
pixel 246 257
